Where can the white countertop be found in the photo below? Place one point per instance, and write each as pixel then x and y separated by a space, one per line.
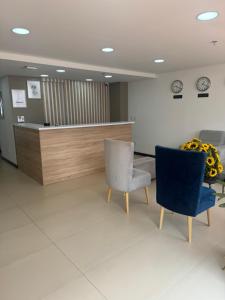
pixel 42 127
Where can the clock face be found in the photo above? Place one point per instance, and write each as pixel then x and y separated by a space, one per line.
pixel 203 84
pixel 177 86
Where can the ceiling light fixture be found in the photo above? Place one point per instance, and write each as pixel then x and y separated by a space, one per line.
pixel 108 76
pixel 31 67
pixel 107 50
pixel 207 16
pixel 44 75
pixel 21 31
pixel 60 71
pixel 89 79
pixel 159 60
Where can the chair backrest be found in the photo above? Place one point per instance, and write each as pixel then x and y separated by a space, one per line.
pixel 118 163
pixel 179 177
pixel 214 137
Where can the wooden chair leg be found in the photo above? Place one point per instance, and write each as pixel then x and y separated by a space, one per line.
pixel 162 210
pixel 189 219
pixel 109 194
pixel 147 194
pixel 208 217
pixel 127 202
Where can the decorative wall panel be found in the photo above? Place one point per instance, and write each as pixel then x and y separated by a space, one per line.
pixel 75 102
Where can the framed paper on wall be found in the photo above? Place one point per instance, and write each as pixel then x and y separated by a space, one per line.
pixel 19 98
pixel 1 106
pixel 34 89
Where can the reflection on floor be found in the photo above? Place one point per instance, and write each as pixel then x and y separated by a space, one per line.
pixel 64 242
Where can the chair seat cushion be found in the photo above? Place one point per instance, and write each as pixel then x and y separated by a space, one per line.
pixel 207 199
pixel 140 179
pixel 146 164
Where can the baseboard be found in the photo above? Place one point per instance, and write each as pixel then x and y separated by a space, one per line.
pixel 144 154
pixel 10 162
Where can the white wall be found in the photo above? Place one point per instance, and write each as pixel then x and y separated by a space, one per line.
pixel 6 128
pixel 162 120
pixel 34 112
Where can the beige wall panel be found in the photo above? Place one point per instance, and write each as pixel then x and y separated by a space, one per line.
pixel 55 155
pixel 28 152
pixel 69 153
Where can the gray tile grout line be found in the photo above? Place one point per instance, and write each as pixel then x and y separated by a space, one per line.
pixel 52 242
pixel 182 277
pixel 106 259
pixel 134 243
pixel 18 226
pixel 15 228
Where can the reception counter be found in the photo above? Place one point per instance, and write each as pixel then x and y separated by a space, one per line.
pixel 56 153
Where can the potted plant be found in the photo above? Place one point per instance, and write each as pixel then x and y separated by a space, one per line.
pixel 213 166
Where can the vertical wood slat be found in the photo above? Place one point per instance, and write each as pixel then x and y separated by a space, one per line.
pixel 75 102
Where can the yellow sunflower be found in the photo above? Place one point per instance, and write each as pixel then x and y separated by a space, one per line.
pixel 187 146
pixel 220 168
pixel 205 146
pixel 193 145
pixel 210 161
pixel 217 156
pixel 196 140
pixel 212 172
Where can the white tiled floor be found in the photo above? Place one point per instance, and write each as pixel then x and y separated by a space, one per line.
pixel 64 242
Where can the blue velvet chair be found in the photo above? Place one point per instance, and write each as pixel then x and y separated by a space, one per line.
pixel 179 179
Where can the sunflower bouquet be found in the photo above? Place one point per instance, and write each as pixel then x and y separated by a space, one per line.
pixel 213 163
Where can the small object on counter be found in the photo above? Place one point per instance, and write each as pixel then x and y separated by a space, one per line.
pixel 20 119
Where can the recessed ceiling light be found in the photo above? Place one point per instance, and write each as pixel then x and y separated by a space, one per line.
pixel 207 16
pixel 31 68
pixel 89 79
pixel 159 60
pixel 21 31
pixel 44 75
pixel 60 71
pixel 108 76
pixel 107 49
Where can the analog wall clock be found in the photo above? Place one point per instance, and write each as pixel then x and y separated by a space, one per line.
pixel 177 86
pixel 203 84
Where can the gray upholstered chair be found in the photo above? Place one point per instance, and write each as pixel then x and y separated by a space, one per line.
pixel 120 174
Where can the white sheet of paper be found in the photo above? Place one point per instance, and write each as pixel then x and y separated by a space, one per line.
pixel 19 98
pixel 34 89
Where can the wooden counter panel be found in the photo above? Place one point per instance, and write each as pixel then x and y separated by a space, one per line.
pixel 28 152
pixel 75 152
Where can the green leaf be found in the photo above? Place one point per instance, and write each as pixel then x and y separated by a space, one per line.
pixel 222 205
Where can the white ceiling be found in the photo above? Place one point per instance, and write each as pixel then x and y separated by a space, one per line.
pixel 72 32
pixel 17 68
